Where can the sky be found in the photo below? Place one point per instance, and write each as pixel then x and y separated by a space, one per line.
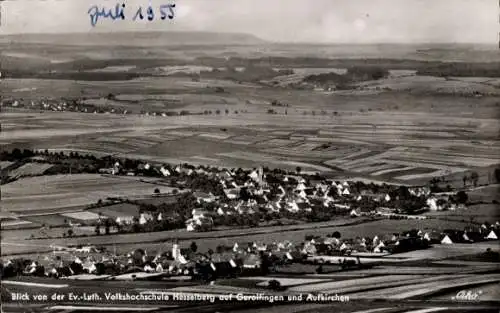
pixel 322 21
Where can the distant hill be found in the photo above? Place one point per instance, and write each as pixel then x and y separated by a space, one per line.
pixel 153 38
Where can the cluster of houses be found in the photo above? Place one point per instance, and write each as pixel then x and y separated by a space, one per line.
pixel 258 191
pixel 60 106
pixel 82 107
pixel 291 194
pixel 469 235
pixel 249 258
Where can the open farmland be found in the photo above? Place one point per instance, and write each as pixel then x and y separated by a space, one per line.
pixel 401 114
pixel 116 210
pixel 50 89
pixel 394 138
pixel 426 84
pixel 30 169
pixel 59 191
pixel 478 212
pixel 5 164
pixel 483 206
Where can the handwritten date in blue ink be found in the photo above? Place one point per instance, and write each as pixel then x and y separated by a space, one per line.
pixel 118 13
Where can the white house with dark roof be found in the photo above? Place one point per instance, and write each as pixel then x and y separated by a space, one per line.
pixel 302 194
pixel 292 206
pixel 123 220
pixel 198 222
pixel 273 207
pixel 300 187
pixel 144 218
pixel 492 235
pixel 252 261
pixel 355 213
pixel 164 171
pixel 232 194
pixel 205 197
pixel 446 240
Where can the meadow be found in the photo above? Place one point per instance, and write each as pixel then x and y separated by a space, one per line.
pixel 391 138
pixel 66 191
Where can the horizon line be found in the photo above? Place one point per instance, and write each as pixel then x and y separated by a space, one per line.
pixel 264 41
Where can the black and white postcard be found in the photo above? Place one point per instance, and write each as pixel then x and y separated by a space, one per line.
pixel 250 156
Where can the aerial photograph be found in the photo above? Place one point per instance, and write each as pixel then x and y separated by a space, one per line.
pixel 250 156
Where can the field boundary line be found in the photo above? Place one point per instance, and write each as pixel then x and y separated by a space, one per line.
pixel 22 283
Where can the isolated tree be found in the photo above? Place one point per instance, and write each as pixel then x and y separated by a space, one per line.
pixel 465 179
pixel 219 249
pixel 157 191
pixel 107 226
pixel 298 169
pixel 227 111
pixel 403 193
pixel 496 173
pixel 217 111
pixel 336 234
pixel 70 233
pixel 462 197
pixel 98 229
pixel 274 285
pixel 193 246
pixel 135 225
pixel 17 154
pixel 474 176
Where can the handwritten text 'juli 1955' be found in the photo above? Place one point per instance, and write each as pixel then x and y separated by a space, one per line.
pixel 163 11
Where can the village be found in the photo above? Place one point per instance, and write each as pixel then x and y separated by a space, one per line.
pixel 83 106
pixel 210 198
pixel 314 254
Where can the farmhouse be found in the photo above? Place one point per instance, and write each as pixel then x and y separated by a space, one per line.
pixel 446 240
pixel 492 235
pixel 200 221
pixel 204 197
pixel 124 220
pixel 232 194
pixel 252 261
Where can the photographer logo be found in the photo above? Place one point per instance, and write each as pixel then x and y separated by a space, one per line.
pixel 467 295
